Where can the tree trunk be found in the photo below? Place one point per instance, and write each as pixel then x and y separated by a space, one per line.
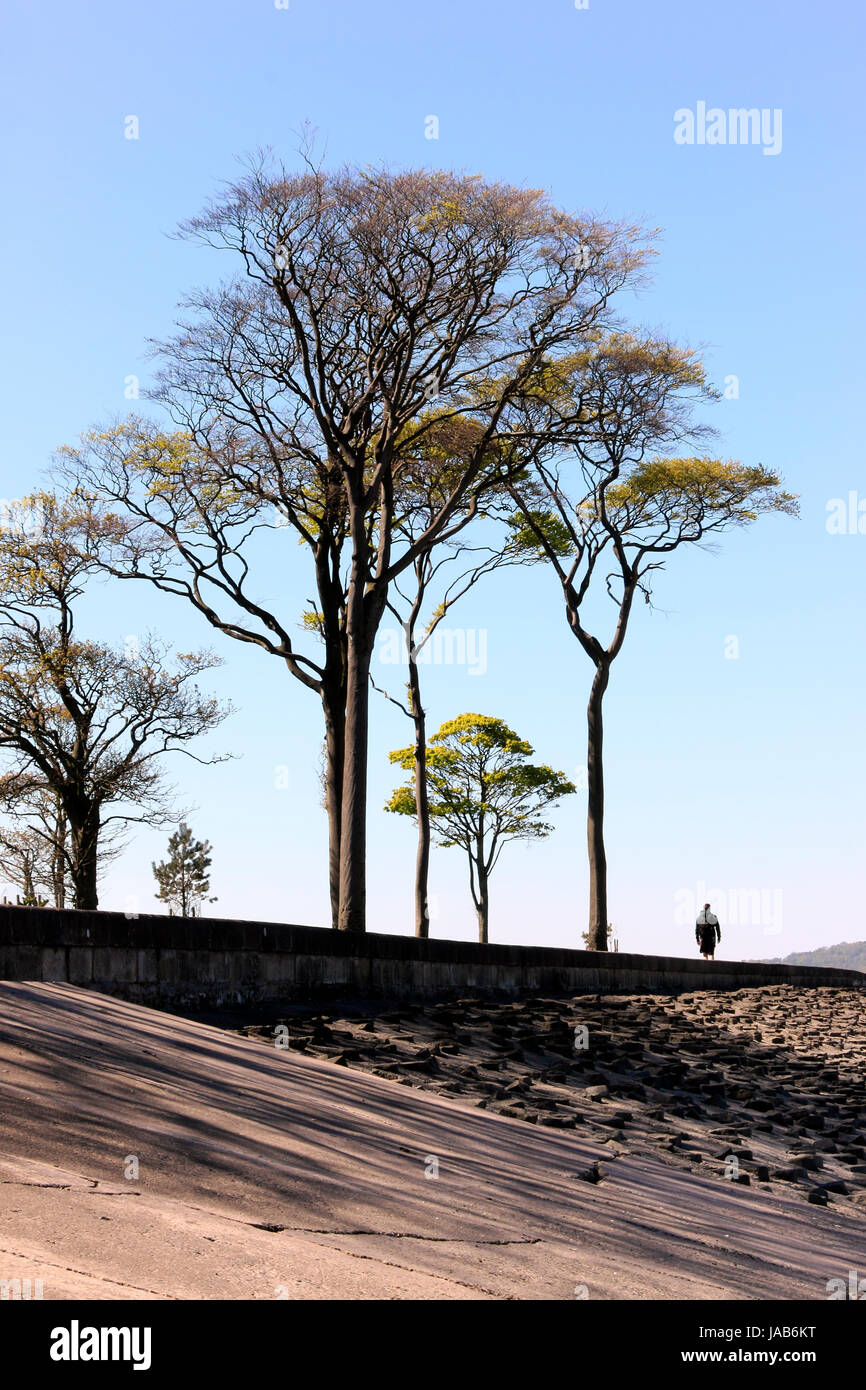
pixel 84 833
pixel 422 806
pixel 365 605
pixel 595 812
pixel 58 862
pixel 483 904
pixel 333 695
pixel 335 715
pixel 353 822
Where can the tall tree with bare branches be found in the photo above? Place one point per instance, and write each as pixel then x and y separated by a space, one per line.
pixel 304 388
pixel 607 510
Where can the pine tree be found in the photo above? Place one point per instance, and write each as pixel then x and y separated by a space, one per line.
pixel 183 877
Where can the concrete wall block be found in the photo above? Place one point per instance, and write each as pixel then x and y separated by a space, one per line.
pixel 146 967
pixel 54 963
pixel 81 965
pixel 278 968
pixel 10 963
pixel 114 964
pixel 168 968
pixel 25 962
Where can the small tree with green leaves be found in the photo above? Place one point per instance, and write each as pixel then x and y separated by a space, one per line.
pixel 183 877
pixel 483 791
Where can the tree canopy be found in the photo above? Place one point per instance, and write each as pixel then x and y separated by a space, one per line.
pixel 184 877
pixel 483 792
pixel 379 319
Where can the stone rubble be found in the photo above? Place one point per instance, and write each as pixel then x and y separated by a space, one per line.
pixel 760 1086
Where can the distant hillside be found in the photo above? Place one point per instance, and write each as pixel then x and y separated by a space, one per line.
pixel 848 955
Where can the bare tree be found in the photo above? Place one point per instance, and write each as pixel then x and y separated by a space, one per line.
pixel 37 837
pixel 84 721
pixel 32 846
pixel 26 864
pixel 307 388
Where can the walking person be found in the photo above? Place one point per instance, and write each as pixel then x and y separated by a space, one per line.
pixel 707 932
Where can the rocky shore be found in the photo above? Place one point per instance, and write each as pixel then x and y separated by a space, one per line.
pixel 762 1087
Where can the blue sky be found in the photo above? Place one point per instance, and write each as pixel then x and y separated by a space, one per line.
pixel 742 774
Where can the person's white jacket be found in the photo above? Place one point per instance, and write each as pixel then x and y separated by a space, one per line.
pixel 706 919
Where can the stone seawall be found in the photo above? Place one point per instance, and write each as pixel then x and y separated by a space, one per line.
pixel 210 962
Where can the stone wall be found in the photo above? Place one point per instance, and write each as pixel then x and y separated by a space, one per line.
pixel 210 962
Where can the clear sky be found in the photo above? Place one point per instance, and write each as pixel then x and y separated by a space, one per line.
pixel 743 773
